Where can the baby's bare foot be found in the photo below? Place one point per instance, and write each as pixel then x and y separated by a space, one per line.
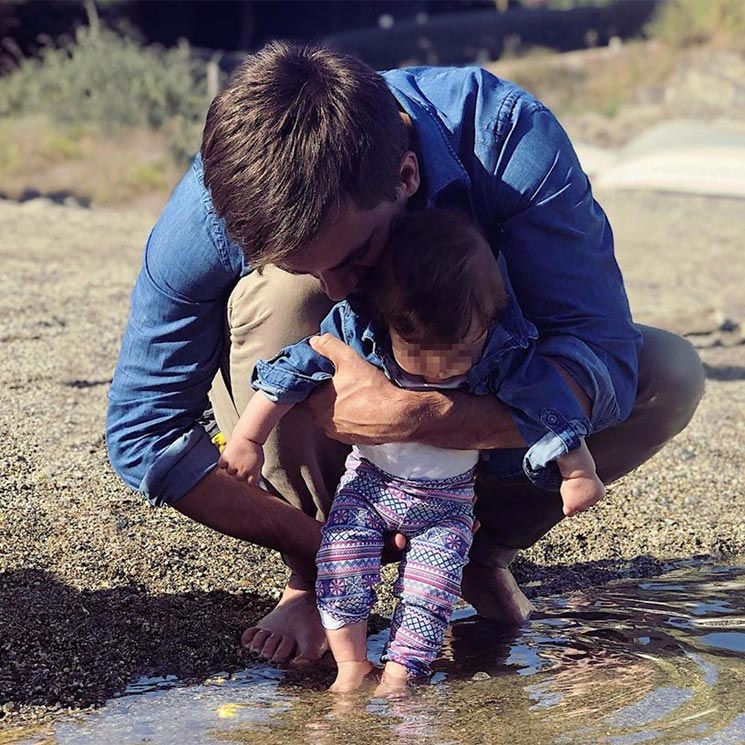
pixel 352 675
pixel 395 680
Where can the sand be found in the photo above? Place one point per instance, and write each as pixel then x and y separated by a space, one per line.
pixel 98 589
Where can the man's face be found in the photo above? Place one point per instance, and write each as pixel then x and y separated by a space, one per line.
pixel 347 247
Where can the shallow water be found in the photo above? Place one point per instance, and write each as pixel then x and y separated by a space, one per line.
pixel 657 661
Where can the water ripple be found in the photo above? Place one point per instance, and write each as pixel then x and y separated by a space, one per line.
pixel 656 661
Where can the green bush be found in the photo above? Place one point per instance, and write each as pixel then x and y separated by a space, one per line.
pixel 684 23
pixel 104 79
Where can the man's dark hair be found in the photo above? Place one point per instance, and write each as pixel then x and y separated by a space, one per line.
pixel 436 282
pixel 297 131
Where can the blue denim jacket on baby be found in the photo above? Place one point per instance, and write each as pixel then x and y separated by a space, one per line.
pixel 550 422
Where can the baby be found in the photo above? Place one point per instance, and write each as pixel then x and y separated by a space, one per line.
pixel 435 315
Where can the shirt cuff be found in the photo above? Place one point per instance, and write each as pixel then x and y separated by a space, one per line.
pixel 179 468
pixel 284 386
pixel 563 436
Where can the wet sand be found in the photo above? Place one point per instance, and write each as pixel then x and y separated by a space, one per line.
pixel 98 589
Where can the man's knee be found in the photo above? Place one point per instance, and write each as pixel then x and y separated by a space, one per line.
pixel 273 309
pixel 671 379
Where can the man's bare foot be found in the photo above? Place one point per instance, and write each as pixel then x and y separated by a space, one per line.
pixel 291 632
pixel 352 675
pixel 493 592
pixel 395 680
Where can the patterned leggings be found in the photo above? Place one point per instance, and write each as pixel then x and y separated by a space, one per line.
pixel 435 516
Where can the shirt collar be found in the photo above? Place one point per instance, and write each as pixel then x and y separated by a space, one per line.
pixel 442 167
pixel 510 332
pixel 374 336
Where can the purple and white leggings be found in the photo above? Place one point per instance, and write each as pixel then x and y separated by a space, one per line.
pixel 436 517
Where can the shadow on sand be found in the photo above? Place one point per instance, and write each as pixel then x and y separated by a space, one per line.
pixel 62 647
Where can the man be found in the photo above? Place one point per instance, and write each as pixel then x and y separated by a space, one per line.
pixel 306 157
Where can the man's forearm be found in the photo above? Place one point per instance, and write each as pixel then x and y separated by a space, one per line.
pixel 464 421
pixel 238 509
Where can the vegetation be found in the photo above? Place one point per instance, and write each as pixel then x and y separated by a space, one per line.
pixel 101 78
pixel 603 86
pixel 686 23
pixel 697 34
pixel 85 95
pixel 110 120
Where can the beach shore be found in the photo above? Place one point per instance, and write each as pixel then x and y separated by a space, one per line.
pixel 98 589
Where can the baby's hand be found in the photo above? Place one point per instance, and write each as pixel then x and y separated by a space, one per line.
pixel 243 459
pixel 580 493
pixel 580 486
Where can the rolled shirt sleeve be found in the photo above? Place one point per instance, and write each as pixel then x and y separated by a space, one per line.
pixel 296 370
pixel 545 411
pixel 171 348
pixel 291 375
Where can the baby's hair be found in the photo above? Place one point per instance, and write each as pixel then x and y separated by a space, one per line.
pixel 438 280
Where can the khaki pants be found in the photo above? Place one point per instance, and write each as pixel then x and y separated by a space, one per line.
pixel 271 310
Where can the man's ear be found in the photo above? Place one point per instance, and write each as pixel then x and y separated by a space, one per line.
pixel 408 175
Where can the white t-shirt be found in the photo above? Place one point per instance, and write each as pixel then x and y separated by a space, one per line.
pixel 415 460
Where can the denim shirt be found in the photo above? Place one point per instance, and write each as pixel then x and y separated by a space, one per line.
pixel 486 147
pixel 509 368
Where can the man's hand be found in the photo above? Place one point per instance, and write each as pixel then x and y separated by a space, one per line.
pixel 359 405
pixel 243 459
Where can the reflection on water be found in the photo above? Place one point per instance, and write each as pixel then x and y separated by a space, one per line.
pixel 660 662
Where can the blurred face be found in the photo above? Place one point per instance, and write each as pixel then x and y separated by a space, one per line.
pixel 437 363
